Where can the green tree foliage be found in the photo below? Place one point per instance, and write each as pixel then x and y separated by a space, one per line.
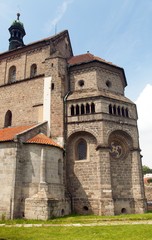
pixel 146 169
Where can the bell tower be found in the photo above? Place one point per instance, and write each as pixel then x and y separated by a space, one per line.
pixel 17 33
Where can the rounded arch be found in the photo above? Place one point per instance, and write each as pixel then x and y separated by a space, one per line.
pixel 81 132
pixel 8 119
pixel 80 144
pixel 120 144
pixel 12 74
pixel 81 149
pixel 33 70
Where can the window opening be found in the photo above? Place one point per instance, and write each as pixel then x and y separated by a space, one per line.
pixel 123 112
pixel 12 74
pixel 114 109
pixel 127 114
pixel 118 109
pixel 82 109
pixel 123 210
pixel 33 70
pixel 77 110
pixel 81 83
pixel 81 150
pixel 8 119
pixel 52 86
pixel 110 109
pixel 72 110
pixel 85 208
pixel 87 108
pixel 108 84
pixel 92 108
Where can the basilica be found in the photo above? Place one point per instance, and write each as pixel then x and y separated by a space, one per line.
pixel 69 140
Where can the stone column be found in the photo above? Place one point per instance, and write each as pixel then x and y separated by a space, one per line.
pixel 137 182
pixel 107 205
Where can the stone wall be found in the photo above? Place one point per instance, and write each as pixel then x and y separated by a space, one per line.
pixel 22 99
pixel 7 178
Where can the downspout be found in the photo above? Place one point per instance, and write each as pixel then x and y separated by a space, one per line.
pixel 65 141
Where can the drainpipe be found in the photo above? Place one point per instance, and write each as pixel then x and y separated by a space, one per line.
pixel 65 139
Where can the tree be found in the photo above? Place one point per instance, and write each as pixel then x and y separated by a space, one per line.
pixel 146 169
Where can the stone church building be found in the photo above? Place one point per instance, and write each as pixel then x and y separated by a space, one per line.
pixel 69 140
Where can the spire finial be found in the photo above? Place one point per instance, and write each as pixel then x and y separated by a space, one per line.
pixel 18 16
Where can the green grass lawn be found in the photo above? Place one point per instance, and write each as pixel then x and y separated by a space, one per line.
pixel 111 232
pixel 128 232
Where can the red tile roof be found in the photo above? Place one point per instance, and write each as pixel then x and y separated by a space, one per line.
pixel 85 58
pixel 43 139
pixel 8 134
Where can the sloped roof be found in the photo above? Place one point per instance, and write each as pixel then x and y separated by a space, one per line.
pixel 43 139
pixel 9 133
pixel 86 58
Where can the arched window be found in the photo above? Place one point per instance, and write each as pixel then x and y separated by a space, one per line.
pixel 72 110
pixel 110 109
pixel 118 110
pixel 127 114
pixel 114 109
pixel 81 150
pixel 87 108
pixel 92 108
pixel 8 119
pixel 123 112
pixel 77 110
pixel 82 109
pixel 33 72
pixel 12 74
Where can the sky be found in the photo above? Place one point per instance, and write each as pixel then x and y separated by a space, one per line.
pixel 118 31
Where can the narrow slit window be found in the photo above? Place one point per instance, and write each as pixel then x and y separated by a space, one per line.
pixel 82 109
pixel 123 112
pixel 114 109
pixel 87 108
pixel 8 119
pixel 110 109
pixel 92 108
pixel 33 70
pixel 12 74
pixel 118 110
pixel 72 110
pixel 77 110
pixel 127 113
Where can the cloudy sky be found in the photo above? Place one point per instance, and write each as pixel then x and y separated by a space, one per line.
pixel 116 30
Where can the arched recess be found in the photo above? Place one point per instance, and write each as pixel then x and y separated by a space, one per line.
pixel 8 119
pixel 80 144
pixel 33 70
pixel 120 153
pixel 12 74
pixel 81 172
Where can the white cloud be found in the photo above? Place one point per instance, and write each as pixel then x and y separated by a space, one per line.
pixel 144 107
pixel 59 14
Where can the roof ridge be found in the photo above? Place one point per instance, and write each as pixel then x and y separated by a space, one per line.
pixel 87 57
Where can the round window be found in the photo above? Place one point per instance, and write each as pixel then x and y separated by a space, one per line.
pixel 81 83
pixel 118 149
pixel 108 84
